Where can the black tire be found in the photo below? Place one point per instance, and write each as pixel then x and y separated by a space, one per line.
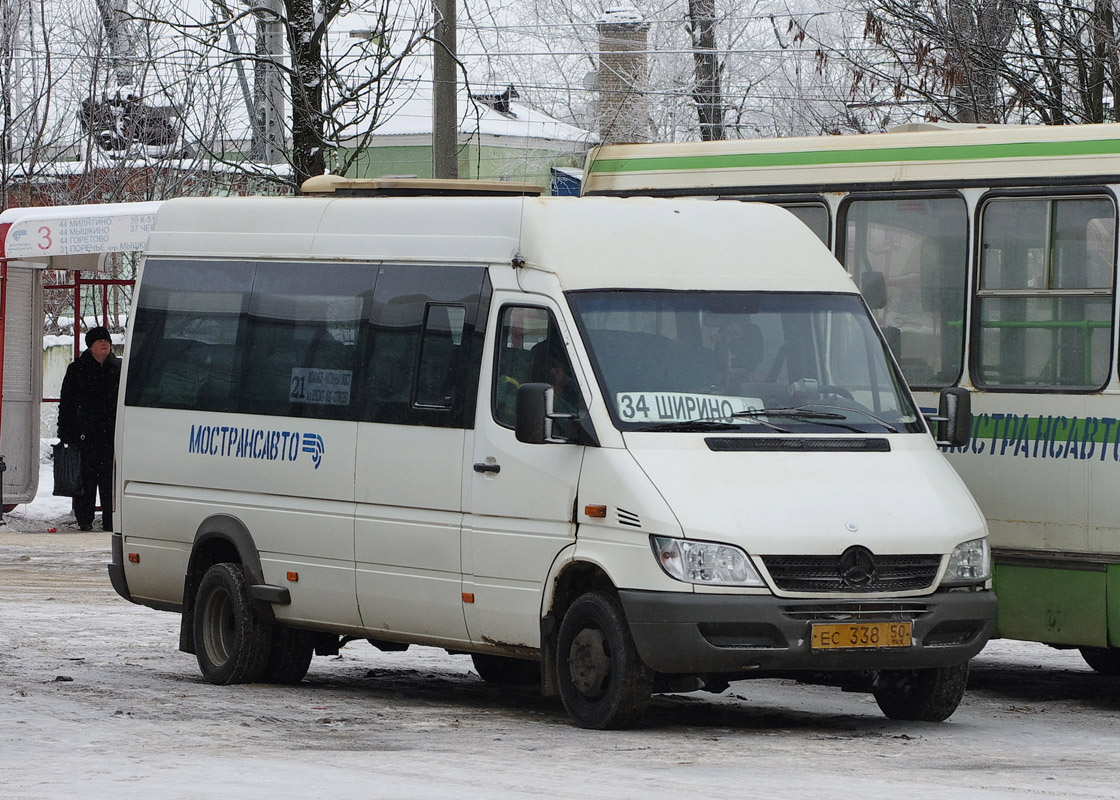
pixel 506 671
pixel 603 682
pixel 925 695
pixel 289 655
pixel 231 641
pixel 1105 660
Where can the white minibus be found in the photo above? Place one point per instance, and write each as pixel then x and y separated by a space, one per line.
pixel 613 446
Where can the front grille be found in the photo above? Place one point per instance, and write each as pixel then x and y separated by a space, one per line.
pixel 770 444
pixel 857 612
pixel 822 573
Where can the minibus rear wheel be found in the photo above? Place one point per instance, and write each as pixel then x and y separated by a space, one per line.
pixel 1105 660
pixel 603 681
pixel 925 695
pixel 231 641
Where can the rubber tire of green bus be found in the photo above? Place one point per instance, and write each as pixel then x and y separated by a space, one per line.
pixel 925 695
pixel 506 670
pixel 231 641
pixel 289 655
pixel 604 683
pixel 1105 660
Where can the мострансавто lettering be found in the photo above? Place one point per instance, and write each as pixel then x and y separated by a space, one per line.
pixel 1037 436
pixel 231 441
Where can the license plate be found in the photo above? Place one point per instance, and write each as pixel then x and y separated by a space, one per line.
pixel 861 635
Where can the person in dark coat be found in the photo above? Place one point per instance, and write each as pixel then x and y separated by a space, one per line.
pixel 87 415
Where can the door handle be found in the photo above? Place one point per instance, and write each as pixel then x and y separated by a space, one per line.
pixel 481 467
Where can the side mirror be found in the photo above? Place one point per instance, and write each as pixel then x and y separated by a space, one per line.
pixel 534 402
pixel 953 421
pixel 873 287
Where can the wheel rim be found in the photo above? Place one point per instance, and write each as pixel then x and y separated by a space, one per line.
pixel 589 663
pixel 218 627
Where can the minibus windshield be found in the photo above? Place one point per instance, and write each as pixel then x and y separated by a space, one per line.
pixel 757 362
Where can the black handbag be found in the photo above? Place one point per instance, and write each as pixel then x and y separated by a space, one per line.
pixel 67 470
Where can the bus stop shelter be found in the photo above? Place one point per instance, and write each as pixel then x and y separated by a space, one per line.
pixel 78 239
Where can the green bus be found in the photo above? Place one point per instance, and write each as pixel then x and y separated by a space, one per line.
pixel 988 255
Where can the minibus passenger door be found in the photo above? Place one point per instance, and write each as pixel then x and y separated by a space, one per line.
pixel 520 496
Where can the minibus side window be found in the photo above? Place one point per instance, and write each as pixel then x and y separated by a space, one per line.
pixel 189 328
pixel 530 349
pixel 357 341
pixel 440 341
pixel 302 344
pixel 423 347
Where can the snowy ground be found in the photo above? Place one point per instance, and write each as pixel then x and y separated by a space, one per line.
pixel 97 702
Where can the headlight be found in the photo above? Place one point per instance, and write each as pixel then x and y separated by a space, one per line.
pixel 971 562
pixel 705 562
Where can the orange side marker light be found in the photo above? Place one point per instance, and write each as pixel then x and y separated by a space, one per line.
pixel 134 558
pixel 293 577
pixel 468 597
pixel 596 512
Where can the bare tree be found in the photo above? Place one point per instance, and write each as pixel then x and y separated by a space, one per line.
pixel 990 61
pixel 345 67
pixel 947 53
pixel 701 27
pixel 743 68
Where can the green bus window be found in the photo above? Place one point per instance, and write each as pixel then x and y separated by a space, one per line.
pixel 909 257
pixel 1045 292
pixel 815 218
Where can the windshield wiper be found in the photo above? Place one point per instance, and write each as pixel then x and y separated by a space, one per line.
pixel 867 414
pixel 707 424
pixel 704 424
pixel 824 417
pixel 792 413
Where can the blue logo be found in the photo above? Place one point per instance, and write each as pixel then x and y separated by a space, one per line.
pixel 313 444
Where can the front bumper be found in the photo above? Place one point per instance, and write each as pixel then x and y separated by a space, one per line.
pixel 752 634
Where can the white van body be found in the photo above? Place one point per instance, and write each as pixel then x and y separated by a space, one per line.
pixel 398 493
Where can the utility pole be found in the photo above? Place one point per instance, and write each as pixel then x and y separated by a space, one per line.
pixel 268 145
pixel 445 123
pixel 114 18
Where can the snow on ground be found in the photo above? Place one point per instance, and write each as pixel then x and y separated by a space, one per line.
pixel 47 511
pixel 97 702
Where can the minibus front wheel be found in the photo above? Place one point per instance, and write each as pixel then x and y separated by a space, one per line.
pixel 231 640
pixel 603 681
pixel 925 695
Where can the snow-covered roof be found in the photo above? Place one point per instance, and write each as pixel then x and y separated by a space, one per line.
pixel 413 117
pixel 54 170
